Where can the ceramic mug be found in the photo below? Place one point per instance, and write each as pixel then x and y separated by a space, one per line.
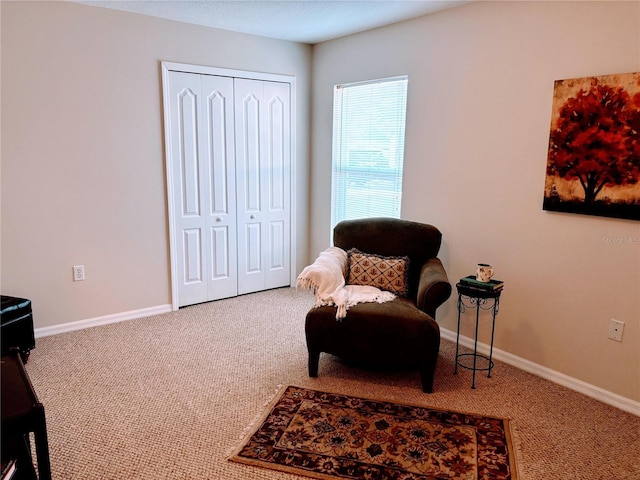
pixel 484 272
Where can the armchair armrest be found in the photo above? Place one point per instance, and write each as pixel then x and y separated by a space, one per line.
pixel 433 287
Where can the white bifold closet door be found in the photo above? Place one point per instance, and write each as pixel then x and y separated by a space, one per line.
pixel 263 156
pixel 230 185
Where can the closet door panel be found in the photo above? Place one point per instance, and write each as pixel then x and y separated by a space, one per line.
pixel 278 183
pixel 188 187
pixel 220 255
pixel 277 254
pixel 188 154
pixel 248 160
pixel 253 255
pixel 192 245
pixel 219 164
pixel 249 122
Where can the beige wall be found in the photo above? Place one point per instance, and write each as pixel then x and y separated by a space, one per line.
pixel 83 174
pixel 479 103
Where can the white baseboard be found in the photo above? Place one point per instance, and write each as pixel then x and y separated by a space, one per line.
pixel 97 321
pixel 587 389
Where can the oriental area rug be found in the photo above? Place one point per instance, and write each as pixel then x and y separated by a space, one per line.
pixel 328 435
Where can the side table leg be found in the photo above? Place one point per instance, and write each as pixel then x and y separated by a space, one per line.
pixel 493 329
pixel 475 347
pixel 455 371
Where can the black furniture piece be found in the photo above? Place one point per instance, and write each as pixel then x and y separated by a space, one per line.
pixel 16 325
pixel 16 460
pixel 22 414
pixel 401 333
pixel 479 299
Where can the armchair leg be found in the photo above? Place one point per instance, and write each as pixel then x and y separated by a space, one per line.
pixel 314 359
pixel 427 382
pixel 427 373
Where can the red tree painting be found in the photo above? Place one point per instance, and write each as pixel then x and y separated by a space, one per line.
pixel 593 166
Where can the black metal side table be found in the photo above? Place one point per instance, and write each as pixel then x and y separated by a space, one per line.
pixel 480 299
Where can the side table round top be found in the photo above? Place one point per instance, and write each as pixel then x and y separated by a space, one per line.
pixel 477 292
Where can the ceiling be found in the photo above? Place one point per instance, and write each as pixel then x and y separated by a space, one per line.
pixel 305 21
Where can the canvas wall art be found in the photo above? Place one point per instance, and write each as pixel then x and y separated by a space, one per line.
pixel 593 163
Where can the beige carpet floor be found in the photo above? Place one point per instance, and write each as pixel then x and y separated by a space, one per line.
pixel 169 396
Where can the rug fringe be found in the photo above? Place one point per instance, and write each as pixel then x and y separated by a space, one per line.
pixel 513 437
pixel 250 427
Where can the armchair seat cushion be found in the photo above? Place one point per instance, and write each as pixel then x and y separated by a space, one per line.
pixel 394 334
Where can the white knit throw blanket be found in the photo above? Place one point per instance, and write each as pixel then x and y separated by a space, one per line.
pixel 326 278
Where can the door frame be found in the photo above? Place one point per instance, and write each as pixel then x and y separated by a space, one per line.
pixel 222 72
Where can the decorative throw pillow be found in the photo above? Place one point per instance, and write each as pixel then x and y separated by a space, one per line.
pixel 386 273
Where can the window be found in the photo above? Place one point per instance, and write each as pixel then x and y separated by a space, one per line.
pixel 368 149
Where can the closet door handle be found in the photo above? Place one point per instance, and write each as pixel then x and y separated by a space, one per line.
pixel 218 219
pixel 252 217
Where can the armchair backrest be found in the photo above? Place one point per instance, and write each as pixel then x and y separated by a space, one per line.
pixel 391 237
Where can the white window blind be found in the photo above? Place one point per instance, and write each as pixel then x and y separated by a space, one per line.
pixel 368 149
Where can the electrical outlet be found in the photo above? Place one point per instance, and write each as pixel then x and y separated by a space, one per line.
pixel 616 327
pixel 78 273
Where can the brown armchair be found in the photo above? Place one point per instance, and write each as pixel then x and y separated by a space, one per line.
pixel 401 333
